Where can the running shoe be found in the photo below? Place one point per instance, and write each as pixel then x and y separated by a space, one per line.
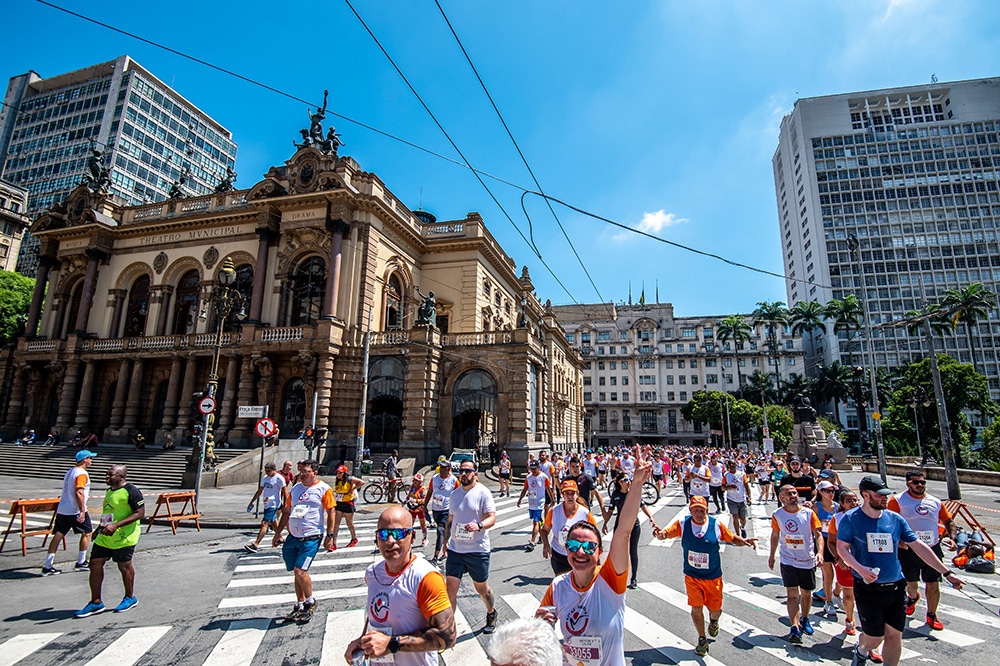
pixel 743 533
pixel 251 547
pixel 875 657
pixel 911 603
pixel 51 571
pixel 830 608
pixel 933 622
pixel 82 566
pixel 702 648
pixel 423 543
pixel 859 659
pixel 352 543
pixel 633 584
pixel 795 636
pixel 127 604
pixel 491 623
pixel 294 614
pixel 849 628
pixel 806 627
pixel 530 547
pixel 819 595
pixel 306 614
pixel 93 608
pixel 713 628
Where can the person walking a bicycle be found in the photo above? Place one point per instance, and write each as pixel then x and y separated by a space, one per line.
pixel 390 468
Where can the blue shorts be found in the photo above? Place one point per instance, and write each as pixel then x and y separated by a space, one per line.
pixel 299 553
pixel 269 515
pixel 476 564
pixel 535 515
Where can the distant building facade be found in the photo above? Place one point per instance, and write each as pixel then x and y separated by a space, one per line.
pixel 323 251
pixel 914 174
pixel 13 222
pixel 642 364
pixel 149 133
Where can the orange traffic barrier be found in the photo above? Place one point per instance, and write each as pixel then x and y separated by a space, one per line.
pixel 168 500
pixel 20 509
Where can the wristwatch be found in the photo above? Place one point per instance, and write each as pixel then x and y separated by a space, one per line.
pixel 947 573
pixel 480 523
pixel 394 644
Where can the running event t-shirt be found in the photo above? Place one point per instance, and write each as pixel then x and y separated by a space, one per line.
pixel 470 506
pixel 271 494
pixel 118 505
pixel 76 477
pixel 306 505
pixel 873 541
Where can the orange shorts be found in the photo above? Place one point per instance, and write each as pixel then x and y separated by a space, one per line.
pixel 844 575
pixel 704 592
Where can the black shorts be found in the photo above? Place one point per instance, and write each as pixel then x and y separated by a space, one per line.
pixel 827 554
pixel 795 577
pixel 657 478
pixel 345 507
pixel 477 565
pixel 763 484
pixel 879 605
pixel 560 563
pixel 504 475
pixel 64 524
pixel 915 569
pixel 117 555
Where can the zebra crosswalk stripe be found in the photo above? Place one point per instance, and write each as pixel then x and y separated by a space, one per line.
pixel 287 598
pixel 239 643
pixel 342 627
pixel 130 646
pixel 467 649
pixel 288 579
pixel 17 648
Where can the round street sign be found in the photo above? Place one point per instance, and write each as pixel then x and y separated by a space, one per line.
pixel 265 427
pixel 206 405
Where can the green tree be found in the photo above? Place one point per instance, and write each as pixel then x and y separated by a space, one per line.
pixel 834 384
pixel 794 385
pixel 774 315
pixel 967 306
pixel 735 328
pixel 760 389
pixel 15 300
pixel 710 407
pixel 807 317
pixel 846 314
pixel 781 425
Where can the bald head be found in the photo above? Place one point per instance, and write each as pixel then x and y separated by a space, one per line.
pixel 395 516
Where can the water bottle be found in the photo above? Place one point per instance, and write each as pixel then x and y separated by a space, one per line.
pixel 876 571
pixel 250 508
pixel 358 658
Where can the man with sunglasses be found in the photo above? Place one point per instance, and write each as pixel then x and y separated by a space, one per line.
pixel 306 505
pixel 410 617
pixel 472 514
pixel 923 513
pixel 701 536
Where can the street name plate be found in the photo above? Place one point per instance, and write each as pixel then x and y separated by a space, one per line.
pixel 249 411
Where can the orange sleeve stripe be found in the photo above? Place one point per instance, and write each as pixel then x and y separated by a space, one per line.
pixel 432 595
pixel 725 533
pixel 832 530
pixel 893 505
pixel 81 481
pixel 943 514
pixel 547 597
pixel 548 519
pixel 814 522
pixel 591 519
pixel 674 529
pixel 329 501
pixel 774 524
pixel 616 581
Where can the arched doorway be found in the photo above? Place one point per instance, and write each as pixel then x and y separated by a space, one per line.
pixel 159 404
pixel 473 411
pixel 293 407
pixel 384 420
pixel 186 303
pixel 138 308
pixel 306 288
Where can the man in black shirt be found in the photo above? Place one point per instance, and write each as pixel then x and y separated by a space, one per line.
pixel 586 488
pixel 803 483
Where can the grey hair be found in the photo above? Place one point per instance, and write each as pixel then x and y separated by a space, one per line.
pixel 525 642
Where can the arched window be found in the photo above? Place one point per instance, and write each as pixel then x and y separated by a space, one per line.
pixel 186 303
pixel 393 304
pixel 293 407
pixel 308 284
pixel 76 293
pixel 138 308
pixel 244 285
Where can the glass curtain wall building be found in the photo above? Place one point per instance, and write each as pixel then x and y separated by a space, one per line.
pixel 912 173
pixel 149 133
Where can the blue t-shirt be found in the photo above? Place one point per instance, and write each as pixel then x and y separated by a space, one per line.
pixel 873 542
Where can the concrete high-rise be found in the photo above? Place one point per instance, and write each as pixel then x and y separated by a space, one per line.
pixel 912 173
pixel 149 133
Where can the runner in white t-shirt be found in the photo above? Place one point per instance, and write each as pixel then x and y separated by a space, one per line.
pixel 538 488
pixel 71 514
pixel 439 491
pixel 272 490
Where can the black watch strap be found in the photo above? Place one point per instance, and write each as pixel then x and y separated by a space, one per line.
pixel 394 644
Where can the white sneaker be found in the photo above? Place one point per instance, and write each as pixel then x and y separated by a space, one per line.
pixel 830 608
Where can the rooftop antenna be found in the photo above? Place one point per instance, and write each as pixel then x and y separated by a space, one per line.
pixel 420 204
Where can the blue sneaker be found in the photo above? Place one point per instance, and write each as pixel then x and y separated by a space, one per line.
pixel 90 609
pixel 128 603
pixel 806 627
pixel 795 636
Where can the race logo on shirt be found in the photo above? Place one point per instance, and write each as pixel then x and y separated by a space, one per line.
pixel 577 621
pixel 922 510
pixel 791 526
pixel 304 497
pixel 379 608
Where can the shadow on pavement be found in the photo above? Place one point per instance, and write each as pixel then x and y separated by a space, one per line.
pixel 42 616
pixel 521 580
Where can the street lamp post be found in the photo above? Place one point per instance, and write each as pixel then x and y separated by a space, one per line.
pixel 225 299
pixel 919 397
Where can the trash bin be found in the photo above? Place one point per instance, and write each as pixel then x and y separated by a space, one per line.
pixel 366 466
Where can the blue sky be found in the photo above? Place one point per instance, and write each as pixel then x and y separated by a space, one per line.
pixel 660 115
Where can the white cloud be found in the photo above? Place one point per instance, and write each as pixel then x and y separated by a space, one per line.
pixel 652 223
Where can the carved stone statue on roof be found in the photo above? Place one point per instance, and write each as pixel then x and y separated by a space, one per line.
pixel 226 184
pixel 176 188
pixel 98 173
pixel 314 135
pixel 427 312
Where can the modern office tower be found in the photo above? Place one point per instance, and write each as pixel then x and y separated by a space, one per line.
pixel 912 174
pixel 149 134
pixel 13 222
pixel 642 364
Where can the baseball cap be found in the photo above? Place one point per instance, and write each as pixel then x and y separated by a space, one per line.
pixel 533 463
pixel 570 485
pixel 80 455
pixel 823 485
pixel 698 500
pixel 418 477
pixel 795 459
pixel 342 469
pixel 875 484
pixel 826 474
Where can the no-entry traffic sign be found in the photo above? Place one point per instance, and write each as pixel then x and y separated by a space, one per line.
pixel 206 405
pixel 266 427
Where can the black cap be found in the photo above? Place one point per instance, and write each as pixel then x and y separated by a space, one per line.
pixel 875 484
pixel 795 459
pixel 533 463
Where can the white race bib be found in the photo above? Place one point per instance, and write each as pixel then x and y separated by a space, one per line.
pixel 463 534
pixel 928 537
pixel 583 650
pixel 388 657
pixel 698 560
pixel 563 534
pixel 107 519
pixel 437 503
pixel 339 497
pixel 879 542
pixel 533 494
pixel 795 542
pixel 300 510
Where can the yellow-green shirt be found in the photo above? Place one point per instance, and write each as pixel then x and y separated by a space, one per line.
pixel 118 505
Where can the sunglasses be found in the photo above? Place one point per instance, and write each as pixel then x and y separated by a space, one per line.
pixel 466 471
pixel 827 490
pixel 397 533
pixel 918 483
pixel 589 547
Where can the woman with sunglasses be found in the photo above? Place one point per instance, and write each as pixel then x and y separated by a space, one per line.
pixel 345 487
pixel 416 496
pixel 559 521
pixel 589 600
pixel 825 510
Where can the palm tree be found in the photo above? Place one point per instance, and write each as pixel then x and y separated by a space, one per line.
pixel 760 389
pixel 967 306
pixel 736 329
pixel 834 384
pixel 794 385
pixel 846 314
pixel 773 314
pixel 807 317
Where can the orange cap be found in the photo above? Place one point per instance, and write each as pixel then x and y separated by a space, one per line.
pixel 698 500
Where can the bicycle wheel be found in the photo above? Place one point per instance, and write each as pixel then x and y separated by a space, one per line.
pixel 373 493
pixel 650 495
pixel 401 492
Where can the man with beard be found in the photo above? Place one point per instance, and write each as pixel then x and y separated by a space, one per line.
pixel 472 514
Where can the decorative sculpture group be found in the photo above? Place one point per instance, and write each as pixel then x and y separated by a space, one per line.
pixel 314 135
pixel 99 174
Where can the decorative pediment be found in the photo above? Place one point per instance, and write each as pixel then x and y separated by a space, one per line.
pixel 311 170
pixel 294 243
pixel 266 189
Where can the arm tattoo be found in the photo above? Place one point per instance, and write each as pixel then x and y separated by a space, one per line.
pixel 439 636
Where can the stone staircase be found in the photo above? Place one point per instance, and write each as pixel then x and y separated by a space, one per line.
pixel 148 469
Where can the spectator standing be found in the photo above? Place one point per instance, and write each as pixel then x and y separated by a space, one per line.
pixel 71 514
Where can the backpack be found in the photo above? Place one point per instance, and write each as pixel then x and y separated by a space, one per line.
pixel 981 565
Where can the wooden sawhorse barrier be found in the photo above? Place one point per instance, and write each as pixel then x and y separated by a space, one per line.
pixel 959 509
pixel 168 500
pixel 20 509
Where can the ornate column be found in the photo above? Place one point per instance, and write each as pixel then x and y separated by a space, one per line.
pixel 118 300
pixel 227 403
pixel 187 390
pixel 16 406
pixel 173 388
pixel 266 236
pixel 45 265
pixel 338 229
pixel 86 397
pixel 134 404
pixel 244 396
pixel 68 395
pixel 121 391
pixel 163 313
pixel 94 258
pixel 324 391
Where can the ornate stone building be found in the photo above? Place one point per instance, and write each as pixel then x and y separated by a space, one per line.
pixel 323 253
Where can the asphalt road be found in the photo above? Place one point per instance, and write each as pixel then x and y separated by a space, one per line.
pixel 203 600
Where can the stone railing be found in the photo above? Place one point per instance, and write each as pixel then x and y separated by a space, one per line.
pixel 386 338
pixel 192 205
pixel 163 342
pixel 208 340
pixel 281 334
pixel 479 338
pixel 41 345
pixel 157 342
